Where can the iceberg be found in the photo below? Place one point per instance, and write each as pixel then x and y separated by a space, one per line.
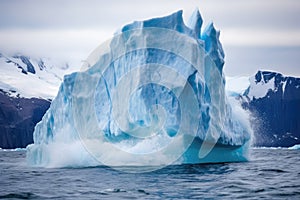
pixel 152 95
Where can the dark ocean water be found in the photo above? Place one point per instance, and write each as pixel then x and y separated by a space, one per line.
pixel 271 174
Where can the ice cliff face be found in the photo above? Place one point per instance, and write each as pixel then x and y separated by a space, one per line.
pixel 274 101
pixel 152 95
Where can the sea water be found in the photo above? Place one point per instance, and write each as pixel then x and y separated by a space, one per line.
pixel 270 174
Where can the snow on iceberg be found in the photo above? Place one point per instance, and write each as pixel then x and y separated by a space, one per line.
pixel 153 95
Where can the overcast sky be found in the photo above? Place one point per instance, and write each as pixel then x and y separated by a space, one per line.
pixel 256 34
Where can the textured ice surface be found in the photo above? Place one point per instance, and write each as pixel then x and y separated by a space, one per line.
pixel 149 96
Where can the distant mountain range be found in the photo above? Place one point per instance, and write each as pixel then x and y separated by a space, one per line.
pixel 31 77
pixel 28 85
pixel 274 103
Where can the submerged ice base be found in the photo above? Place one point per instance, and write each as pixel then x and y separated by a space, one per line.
pixel 152 95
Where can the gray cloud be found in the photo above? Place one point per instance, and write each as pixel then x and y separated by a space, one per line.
pixel 253 32
pixel 248 60
pixel 274 14
pixel 267 14
pixel 80 14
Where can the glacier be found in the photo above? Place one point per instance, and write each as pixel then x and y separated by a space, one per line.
pixel 153 95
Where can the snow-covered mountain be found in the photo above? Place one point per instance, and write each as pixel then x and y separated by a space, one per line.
pixel 27 77
pixel 27 86
pixel 274 101
pixel 265 83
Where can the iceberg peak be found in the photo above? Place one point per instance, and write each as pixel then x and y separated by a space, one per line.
pixel 173 22
pixel 213 45
pixel 195 22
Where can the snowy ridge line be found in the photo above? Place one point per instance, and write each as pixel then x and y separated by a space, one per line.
pixel 24 76
pixel 259 85
pixel 267 81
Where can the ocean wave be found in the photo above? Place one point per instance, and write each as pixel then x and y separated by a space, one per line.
pixel 296 146
pixel 16 149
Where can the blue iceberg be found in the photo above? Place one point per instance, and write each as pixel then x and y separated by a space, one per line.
pixel 153 95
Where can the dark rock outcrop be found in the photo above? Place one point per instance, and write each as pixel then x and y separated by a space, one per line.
pixel 276 116
pixel 18 117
